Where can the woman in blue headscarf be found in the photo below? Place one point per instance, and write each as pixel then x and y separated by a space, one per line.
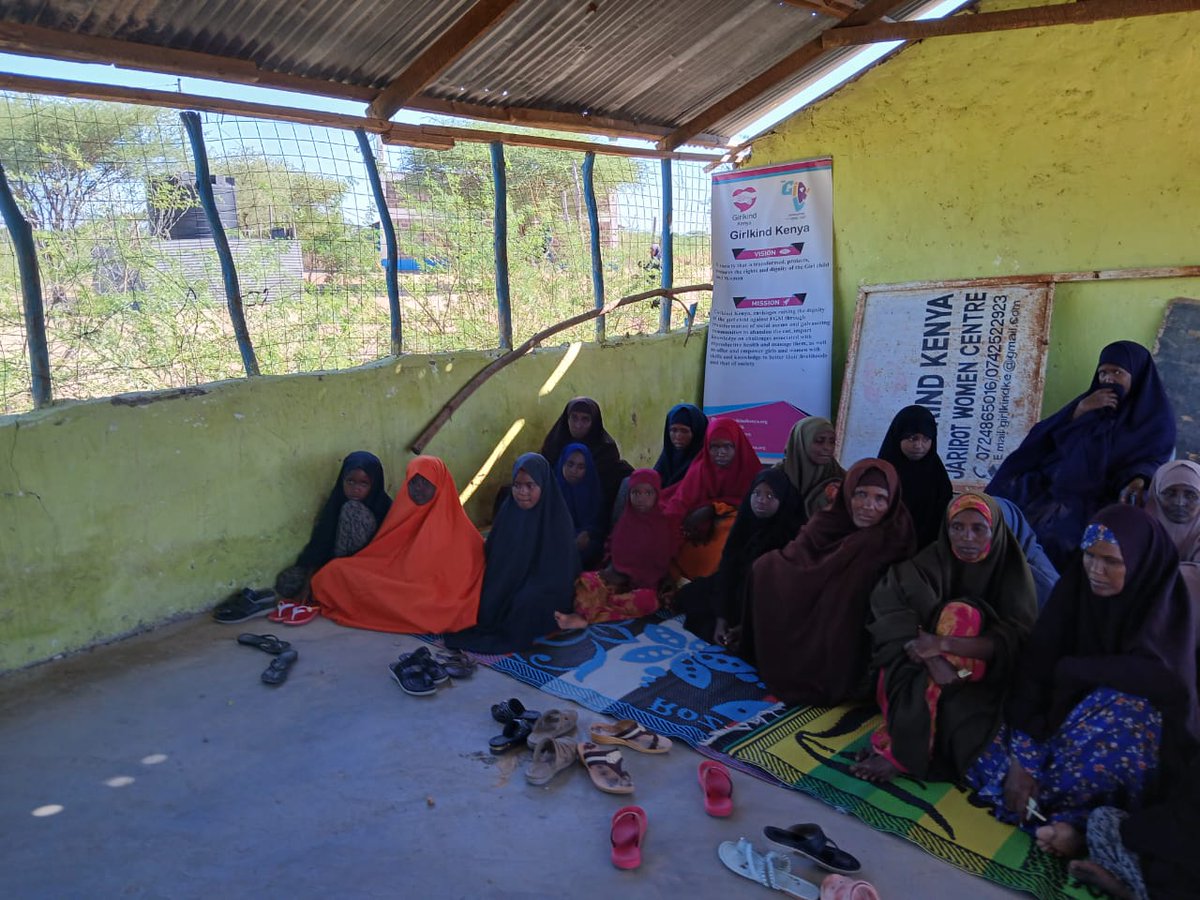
pixel 1102 447
pixel 580 485
pixel 530 565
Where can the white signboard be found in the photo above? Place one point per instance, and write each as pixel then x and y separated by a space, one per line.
pixel 972 353
pixel 771 329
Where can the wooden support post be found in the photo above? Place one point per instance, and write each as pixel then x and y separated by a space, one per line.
pixel 593 214
pixel 500 245
pixel 31 294
pixel 388 230
pixel 666 246
pixel 208 202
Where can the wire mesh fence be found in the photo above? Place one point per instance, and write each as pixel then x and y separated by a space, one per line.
pixel 132 285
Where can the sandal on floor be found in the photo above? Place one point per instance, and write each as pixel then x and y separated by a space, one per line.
pixel 717 787
pixel 277 672
pixel 514 735
pixel 301 614
pixel 457 664
pixel 421 656
pixel 550 756
pixel 627 834
pixel 246 604
pixel 629 733
pixel 512 708
pixel 606 768
pixel 838 887
pixel 412 677
pixel 772 871
pixel 810 841
pixel 553 723
pixel 283 609
pixel 268 643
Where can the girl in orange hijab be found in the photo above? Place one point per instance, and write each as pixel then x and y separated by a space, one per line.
pixel 422 572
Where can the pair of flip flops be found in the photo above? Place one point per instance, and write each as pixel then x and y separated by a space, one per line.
pixel 285 657
pixel 289 613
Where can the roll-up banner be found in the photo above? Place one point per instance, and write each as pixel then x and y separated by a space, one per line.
pixel 770 333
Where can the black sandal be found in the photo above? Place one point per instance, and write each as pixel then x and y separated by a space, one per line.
pixel 810 841
pixel 277 672
pixel 412 676
pixel 268 643
pixel 507 710
pixel 421 656
pixel 515 734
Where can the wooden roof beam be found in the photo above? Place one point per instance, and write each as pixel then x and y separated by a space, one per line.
pixel 438 56
pixel 433 137
pixel 1078 13
pixel 33 40
pixel 781 71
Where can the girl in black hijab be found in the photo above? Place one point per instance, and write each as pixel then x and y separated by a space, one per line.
pixel 356 506
pixel 911 446
pixel 769 517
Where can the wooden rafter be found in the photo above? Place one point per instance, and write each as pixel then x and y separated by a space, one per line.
pixel 1081 12
pixel 434 137
pixel 33 40
pixel 781 71
pixel 437 57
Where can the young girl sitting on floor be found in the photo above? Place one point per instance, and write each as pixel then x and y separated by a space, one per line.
pixel 642 545
pixel 350 518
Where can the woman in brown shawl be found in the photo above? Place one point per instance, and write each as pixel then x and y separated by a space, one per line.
pixel 810 464
pixel 810 599
pixel 948 626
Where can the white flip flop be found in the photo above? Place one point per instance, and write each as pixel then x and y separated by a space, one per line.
pixel 772 871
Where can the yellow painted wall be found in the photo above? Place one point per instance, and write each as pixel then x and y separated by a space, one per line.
pixel 116 517
pixel 1042 150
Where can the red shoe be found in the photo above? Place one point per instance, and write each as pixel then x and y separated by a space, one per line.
pixel 300 614
pixel 628 832
pixel 718 789
pixel 282 611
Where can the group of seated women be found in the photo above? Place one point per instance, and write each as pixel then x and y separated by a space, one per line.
pixel 1064 703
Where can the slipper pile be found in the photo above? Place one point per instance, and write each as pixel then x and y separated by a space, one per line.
pixel 285 657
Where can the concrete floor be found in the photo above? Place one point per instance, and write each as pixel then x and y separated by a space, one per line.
pixel 179 774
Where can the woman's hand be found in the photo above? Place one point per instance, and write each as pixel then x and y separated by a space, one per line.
pixel 1101 398
pixel 721 632
pixel 926 645
pixel 698 526
pixel 582 540
pixel 941 672
pixel 1134 493
pixel 1019 787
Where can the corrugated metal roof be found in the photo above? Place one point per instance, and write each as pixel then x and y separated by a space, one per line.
pixel 651 62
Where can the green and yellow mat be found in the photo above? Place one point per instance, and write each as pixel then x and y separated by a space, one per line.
pixel 811 749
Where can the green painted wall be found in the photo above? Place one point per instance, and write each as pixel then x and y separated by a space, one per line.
pixel 1043 150
pixel 114 518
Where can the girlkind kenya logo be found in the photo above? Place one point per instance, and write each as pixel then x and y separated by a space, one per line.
pixel 744 198
pixel 797 191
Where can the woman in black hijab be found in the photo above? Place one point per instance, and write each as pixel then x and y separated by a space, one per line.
pixel 683 438
pixel 911 446
pixel 582 422
pixel 531 563
pixel 1106 689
